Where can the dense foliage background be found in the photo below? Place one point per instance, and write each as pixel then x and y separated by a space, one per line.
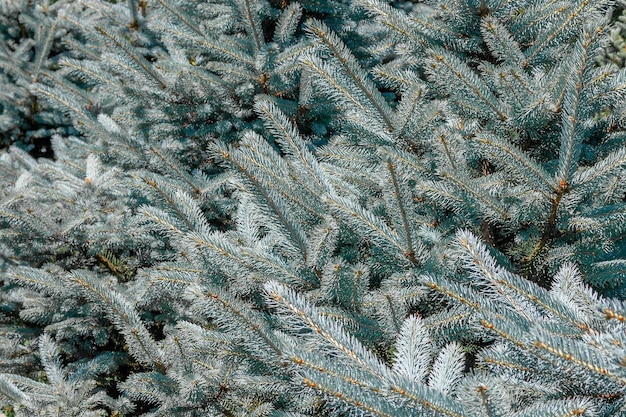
pixel 279 208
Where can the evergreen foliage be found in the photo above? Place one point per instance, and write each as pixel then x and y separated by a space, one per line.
pixel 31 43
pixel 615 51
pixel 267 208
